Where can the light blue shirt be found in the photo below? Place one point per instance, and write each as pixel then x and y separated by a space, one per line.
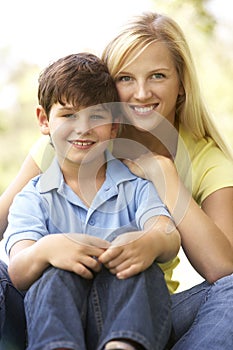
pixel 48 205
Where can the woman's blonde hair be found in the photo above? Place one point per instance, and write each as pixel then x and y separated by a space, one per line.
pixel 141 32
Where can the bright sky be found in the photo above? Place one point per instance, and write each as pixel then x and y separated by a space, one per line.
pixel 41 31
pixel 44 30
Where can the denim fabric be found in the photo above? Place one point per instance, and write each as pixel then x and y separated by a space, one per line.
pixel 65 310
pixel 12 319
pixel 203 316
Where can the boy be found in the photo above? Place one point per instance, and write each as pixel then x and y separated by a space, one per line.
pixel 83 237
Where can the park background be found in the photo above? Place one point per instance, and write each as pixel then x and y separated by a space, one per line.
pixel 34 33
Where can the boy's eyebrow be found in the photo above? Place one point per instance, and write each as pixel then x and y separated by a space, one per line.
pixel 93 109
pixel 65 108
pixel 98 108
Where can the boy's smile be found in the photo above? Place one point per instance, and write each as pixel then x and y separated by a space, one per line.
pixel 82 144
pixel 76 133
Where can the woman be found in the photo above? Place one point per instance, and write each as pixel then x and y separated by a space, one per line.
pixel 154 73
pixel 152 66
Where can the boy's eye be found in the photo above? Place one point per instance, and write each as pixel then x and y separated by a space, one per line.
pixel 70 116
pixel 96 117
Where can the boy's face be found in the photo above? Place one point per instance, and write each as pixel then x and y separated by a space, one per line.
pixel 76 133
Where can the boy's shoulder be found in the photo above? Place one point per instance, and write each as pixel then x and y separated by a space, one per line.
pixel 120 173
pixel 46 181
pixel 32 184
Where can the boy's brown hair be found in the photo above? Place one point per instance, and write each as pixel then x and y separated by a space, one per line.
pixel 79 80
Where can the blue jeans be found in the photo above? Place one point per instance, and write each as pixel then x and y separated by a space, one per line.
pixel 12 319
pixel 64 310
pixel 203 316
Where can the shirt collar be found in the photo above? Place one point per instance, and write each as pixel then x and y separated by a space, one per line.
pixel 116 173
pixel 52 178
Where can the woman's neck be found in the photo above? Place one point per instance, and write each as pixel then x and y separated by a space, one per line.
pixel 162 140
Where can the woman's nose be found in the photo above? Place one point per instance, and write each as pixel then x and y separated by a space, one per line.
pixel 142 91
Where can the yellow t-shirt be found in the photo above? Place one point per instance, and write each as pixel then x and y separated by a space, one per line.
pixel 42 152
pixel 210 169
pixel 201 165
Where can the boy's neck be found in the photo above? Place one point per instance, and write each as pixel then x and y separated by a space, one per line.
pixel 86 179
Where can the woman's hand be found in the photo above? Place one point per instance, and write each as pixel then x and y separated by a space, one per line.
pixel 155 168
pixel 148 165
pixel 162 172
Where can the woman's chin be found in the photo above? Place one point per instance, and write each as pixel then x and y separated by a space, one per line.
pixel 146 125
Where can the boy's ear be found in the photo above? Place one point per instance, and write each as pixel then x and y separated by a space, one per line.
pixel 115 128
pixel 42 120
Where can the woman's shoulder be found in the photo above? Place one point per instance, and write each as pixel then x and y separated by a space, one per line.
pixel 42 152
pixel 202 148
pixel 202 164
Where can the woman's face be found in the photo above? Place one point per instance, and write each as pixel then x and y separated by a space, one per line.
pixel 150 86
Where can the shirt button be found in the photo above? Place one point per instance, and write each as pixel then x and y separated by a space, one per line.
pixel 92 222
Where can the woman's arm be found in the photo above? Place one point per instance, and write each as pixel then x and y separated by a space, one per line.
pixel 207 232
pixel 28 170
pixel 208 240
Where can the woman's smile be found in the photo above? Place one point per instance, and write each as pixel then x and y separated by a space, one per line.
pixel 150 83
pixel 144 110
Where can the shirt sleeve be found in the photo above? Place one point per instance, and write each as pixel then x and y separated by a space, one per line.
pixel 27 218
pixel 203 167
pixel 149 204
pixel 212 170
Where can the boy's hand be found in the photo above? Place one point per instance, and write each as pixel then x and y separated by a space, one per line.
pixel 133 252
pixel 130 254
pixel 75 252
pixel 72 252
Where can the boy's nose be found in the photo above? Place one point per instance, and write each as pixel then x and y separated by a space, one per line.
pixel 82 126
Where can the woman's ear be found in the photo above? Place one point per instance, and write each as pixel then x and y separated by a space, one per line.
pixel 42 120
pixel 181 90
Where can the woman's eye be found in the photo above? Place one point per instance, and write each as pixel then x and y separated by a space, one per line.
pixel 124 78
pixel 158 76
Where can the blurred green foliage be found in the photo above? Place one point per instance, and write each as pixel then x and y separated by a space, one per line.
pixel 212 55
pixel 18 125
pixel 211 43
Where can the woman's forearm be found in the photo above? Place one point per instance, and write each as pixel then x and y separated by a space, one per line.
pixel 205 244
pixel 28 170
pixel 208 246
